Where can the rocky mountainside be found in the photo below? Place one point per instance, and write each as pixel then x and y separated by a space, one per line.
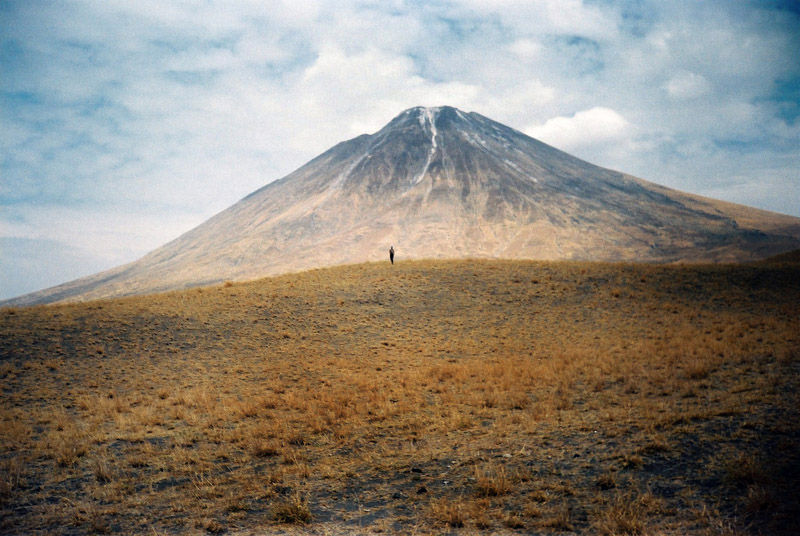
pixel 442 183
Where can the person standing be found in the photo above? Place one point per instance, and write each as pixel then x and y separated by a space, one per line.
pixel 391 254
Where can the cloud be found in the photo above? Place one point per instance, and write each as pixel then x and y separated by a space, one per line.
pixel 568 17
pixel 100 232
pixel 687 85
pixel 598 125
pixel 525 49
pixel 37 263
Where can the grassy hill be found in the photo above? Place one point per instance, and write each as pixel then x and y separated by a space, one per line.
pixel 441 396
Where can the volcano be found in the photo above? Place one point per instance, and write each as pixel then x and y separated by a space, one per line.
pixel 442 183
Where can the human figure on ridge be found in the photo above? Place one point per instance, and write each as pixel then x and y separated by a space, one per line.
pixel 391 254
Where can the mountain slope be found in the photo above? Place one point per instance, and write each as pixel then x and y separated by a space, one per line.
pixel 438 182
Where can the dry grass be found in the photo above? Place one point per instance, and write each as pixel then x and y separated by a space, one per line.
pixel 457 396
pixel 492 482
pixel 628 514
pixel 293 510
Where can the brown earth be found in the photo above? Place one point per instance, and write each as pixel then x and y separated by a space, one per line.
pixel 427 397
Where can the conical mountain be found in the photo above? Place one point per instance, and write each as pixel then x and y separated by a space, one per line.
pixel 442 183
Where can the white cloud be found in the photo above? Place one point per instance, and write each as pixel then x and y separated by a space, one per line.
pixel 363 91
pixel 572 17
pixel 525 48
pixel 36 264
pixel 687 85
pixel 598 125
pixel 101 232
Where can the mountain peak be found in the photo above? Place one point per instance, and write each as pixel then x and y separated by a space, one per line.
pixel 425 110
pixel 429 115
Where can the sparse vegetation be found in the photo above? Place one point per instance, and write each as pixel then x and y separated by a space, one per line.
pixel 495 396
pixel 293 510
pixel 492 482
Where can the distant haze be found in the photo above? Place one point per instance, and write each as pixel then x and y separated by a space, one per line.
pixel 438 182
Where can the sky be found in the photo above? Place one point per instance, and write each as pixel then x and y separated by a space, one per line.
pixel 125 124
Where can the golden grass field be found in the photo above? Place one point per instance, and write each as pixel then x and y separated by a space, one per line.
pixel 424 397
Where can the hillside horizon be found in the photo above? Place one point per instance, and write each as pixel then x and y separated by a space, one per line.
pixel 790 258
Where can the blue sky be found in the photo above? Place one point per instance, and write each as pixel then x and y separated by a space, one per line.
pixel 125 124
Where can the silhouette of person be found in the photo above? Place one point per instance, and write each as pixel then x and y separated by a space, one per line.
pixel 391 254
